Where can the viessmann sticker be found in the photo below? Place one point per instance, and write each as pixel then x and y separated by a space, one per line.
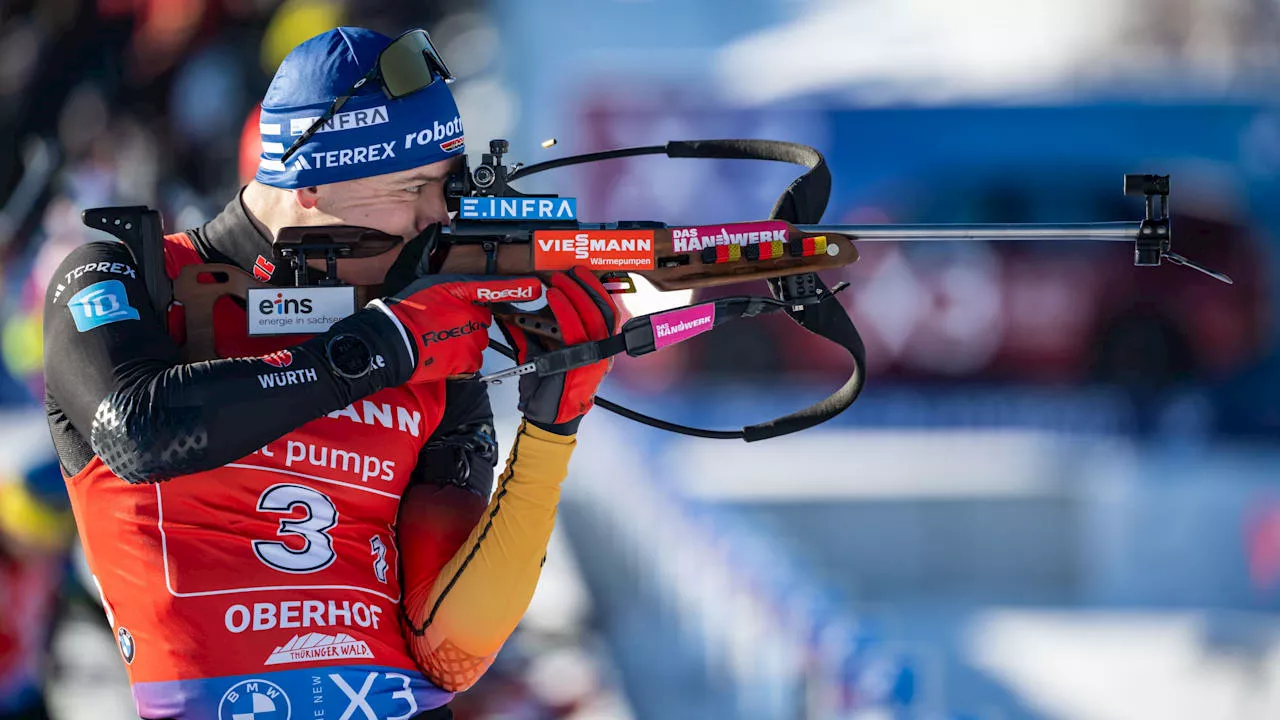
pixel 597 249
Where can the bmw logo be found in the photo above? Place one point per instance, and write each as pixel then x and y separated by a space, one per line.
pixel 254 700
pixel 125 638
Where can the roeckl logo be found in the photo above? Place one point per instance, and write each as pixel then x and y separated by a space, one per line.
pixel 524 293
pixel 457 332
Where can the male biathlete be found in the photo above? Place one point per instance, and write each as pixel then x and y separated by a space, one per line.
pixel 242 514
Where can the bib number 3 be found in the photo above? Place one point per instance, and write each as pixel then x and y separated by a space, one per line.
pixel 316 552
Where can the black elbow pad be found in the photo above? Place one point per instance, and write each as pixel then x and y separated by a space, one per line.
pixel 147 447
pixel 465 457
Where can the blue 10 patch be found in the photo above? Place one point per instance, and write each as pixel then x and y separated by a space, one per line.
pixel 102 303
pixel 518 208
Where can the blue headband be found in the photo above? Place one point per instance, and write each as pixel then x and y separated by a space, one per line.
pixel 372 135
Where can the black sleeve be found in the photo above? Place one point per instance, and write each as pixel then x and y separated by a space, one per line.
pixel 113 375
pixel 463 450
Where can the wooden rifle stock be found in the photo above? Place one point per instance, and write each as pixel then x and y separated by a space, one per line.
pixel 673 270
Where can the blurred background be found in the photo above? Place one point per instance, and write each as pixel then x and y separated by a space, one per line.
pixel 1059 495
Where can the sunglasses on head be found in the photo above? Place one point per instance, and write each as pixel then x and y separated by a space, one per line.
pixel 409 64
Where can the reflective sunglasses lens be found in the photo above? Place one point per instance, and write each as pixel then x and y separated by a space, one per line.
pixel 404 66
pixel 437 61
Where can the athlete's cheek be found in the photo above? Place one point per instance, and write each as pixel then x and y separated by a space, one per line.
pixel 398 219
pixel 395 216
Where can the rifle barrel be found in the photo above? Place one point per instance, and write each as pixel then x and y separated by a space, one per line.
pixel 1108 231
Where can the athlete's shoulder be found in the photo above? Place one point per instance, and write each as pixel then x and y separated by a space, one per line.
pixel 98 251
pixel 91 263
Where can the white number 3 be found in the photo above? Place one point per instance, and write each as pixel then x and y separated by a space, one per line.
pixel 317 549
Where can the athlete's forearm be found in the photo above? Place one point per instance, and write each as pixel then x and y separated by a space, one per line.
pixel 180 420
pixel 479 597
pixel 118 381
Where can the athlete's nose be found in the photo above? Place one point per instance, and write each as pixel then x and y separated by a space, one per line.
pixel 431 210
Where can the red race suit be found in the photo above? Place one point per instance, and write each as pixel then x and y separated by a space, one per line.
pixel 239 515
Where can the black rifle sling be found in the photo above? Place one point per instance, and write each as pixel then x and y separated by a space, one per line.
pixel 805 298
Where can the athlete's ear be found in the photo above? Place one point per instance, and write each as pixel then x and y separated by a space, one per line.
pixel 307 197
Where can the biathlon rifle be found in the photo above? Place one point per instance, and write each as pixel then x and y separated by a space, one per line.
pixel 499 230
